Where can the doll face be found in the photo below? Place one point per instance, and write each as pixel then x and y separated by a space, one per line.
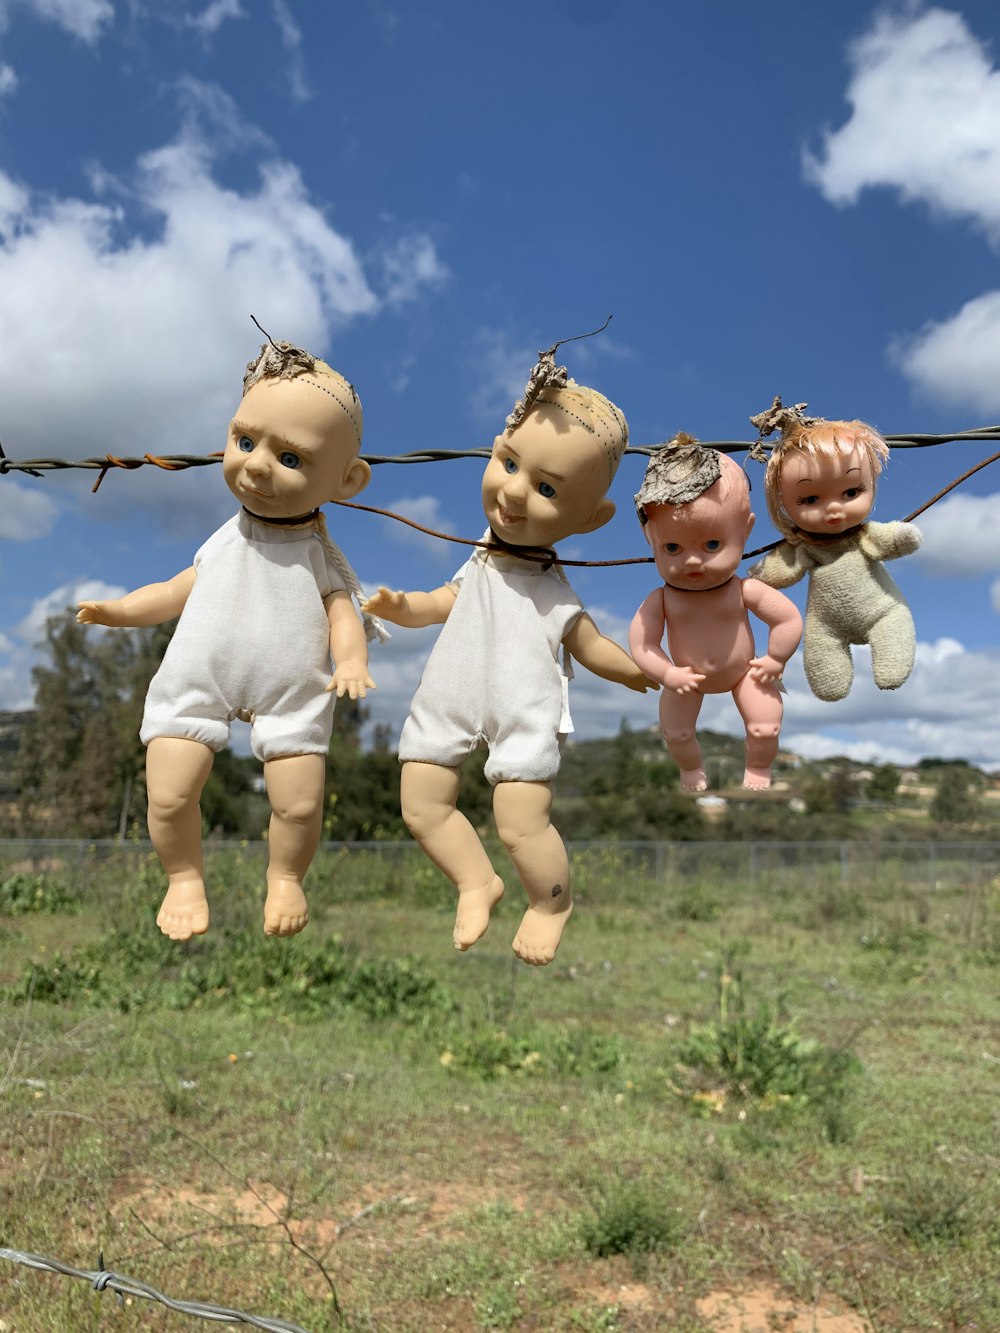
pixel 290 450
pixel 826 491
pixel 545 481
pixel 701 549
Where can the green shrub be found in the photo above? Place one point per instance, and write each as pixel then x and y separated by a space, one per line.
pixel 628 1218
pixel 928 1207
pixel 492 1054
pixel 22 893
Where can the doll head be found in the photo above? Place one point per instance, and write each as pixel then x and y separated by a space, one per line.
pixel 821 476
pixel 694 506
pixel 550 469
pixel 293 443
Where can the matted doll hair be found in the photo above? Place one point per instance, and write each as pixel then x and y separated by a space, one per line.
pixel 549 383
pixel 285 361
pixel 683 471
pixel 816 437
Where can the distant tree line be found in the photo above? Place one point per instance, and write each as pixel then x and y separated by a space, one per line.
pixel 79 771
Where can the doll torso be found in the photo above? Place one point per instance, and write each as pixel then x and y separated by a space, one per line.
pixel 710 632
pixel 849 589
pixel 494 674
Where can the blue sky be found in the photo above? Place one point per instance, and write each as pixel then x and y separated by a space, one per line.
pixel 769 198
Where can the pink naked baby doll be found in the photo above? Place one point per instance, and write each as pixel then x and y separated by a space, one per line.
pixel 263 608
pixel 498 673
pixel 695 509
pixel 820 487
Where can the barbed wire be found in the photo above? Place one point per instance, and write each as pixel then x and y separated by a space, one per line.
pixel 179 462
pixel 103 1278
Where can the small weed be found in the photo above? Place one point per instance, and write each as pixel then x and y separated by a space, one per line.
pixel 895 939
pixel 22 893
pixel 760 1055
pixel 500 1307
pixel 495 1054
pixel 928 1207
pixel 696 904
pixel 629 1219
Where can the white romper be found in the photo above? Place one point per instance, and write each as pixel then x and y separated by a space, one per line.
pixel 494 676
pixel 254 636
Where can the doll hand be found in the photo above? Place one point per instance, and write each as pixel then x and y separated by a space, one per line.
pixel 640 682
pixel 385 603
pixel 94 613
pixel 766 669
pixel 352 679
pixel 906 537
pixel 684 680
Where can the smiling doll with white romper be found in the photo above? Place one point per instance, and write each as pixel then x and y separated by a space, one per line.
pixel 498 673
pixel 820 485
pixel 263 608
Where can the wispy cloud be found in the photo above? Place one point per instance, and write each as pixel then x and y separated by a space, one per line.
pixel 85 19
pixel 961 536
pixel 291 40
pixel 410 264
pixel 26 514
pixel 208 22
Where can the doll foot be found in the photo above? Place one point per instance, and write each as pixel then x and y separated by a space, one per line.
pixel 285 909
pixel 693 779
pixel 538 935
pixel 473 915
pixel 757 779
pixel 184 910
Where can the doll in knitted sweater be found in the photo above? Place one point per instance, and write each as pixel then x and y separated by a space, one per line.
pixel 820 488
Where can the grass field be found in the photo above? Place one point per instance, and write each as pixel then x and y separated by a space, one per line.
pixel 729 1105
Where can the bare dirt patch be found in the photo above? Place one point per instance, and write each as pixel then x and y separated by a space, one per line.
pixel 768 1310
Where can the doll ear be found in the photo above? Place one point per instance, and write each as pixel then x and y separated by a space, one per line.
pixel 751 520
pixel 604 513
pixel 356 478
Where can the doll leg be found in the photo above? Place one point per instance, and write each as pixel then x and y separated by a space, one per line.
pixel 894 646
pixel 521 810
pixel 176 771
pixel 678 715
pixel 760 708
pixel 295 789
pixel 827 661
pixel 428 796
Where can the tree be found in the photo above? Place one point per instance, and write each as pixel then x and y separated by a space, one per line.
pixel 884 783
pixel 954 800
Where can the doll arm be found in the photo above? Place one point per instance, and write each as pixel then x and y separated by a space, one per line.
pixel 781 567
pixel 151 605
pixel 782 618
pixel 413 610
pixel 889 541
pixel 348 647
pixel 603 656
pixel 644 637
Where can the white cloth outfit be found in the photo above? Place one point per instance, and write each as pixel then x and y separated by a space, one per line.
pixel 494 676
pixel 253 637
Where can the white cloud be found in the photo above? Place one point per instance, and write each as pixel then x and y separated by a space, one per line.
pixel 32 628
pixel 212 17
pixel 143 336
pixel 291 40
pixel 499 371
pixel 8 80
pixel 82 18
pixel 955 359
pixel 961 536
pixel 409 265
pixel 26 515
pixel 426 510
pixel 925 119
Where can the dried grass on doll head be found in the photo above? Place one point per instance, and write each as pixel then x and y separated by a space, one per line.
pixel 685 474
pixel 550 384
pixel 285 361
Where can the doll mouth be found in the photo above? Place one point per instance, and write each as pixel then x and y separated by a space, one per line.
pixel 507 519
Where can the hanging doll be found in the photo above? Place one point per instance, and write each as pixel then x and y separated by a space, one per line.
pixel 694 506
pixel 820 486
pixel 263 608
pixel 499 670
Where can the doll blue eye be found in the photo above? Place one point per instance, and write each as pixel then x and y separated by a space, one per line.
pixel 245 444
pixel 289 460
pixel 713 545
pixel 509 465
pixel 545 489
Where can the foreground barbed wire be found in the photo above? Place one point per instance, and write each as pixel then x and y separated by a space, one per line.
pixel 103 1279
pixel 178 462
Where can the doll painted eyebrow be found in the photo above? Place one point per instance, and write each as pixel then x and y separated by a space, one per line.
pixel 241 427
pixel 556 476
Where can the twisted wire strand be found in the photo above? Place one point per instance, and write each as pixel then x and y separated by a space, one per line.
pixel 103 1278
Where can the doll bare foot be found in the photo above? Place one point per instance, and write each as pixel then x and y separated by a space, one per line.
pixel 184 910
pixel 473 915
pixel 757 779
pixel 285 908
pixel 539 933
pixel 693 779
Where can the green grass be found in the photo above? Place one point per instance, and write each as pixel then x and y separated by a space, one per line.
pixel 716 1084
